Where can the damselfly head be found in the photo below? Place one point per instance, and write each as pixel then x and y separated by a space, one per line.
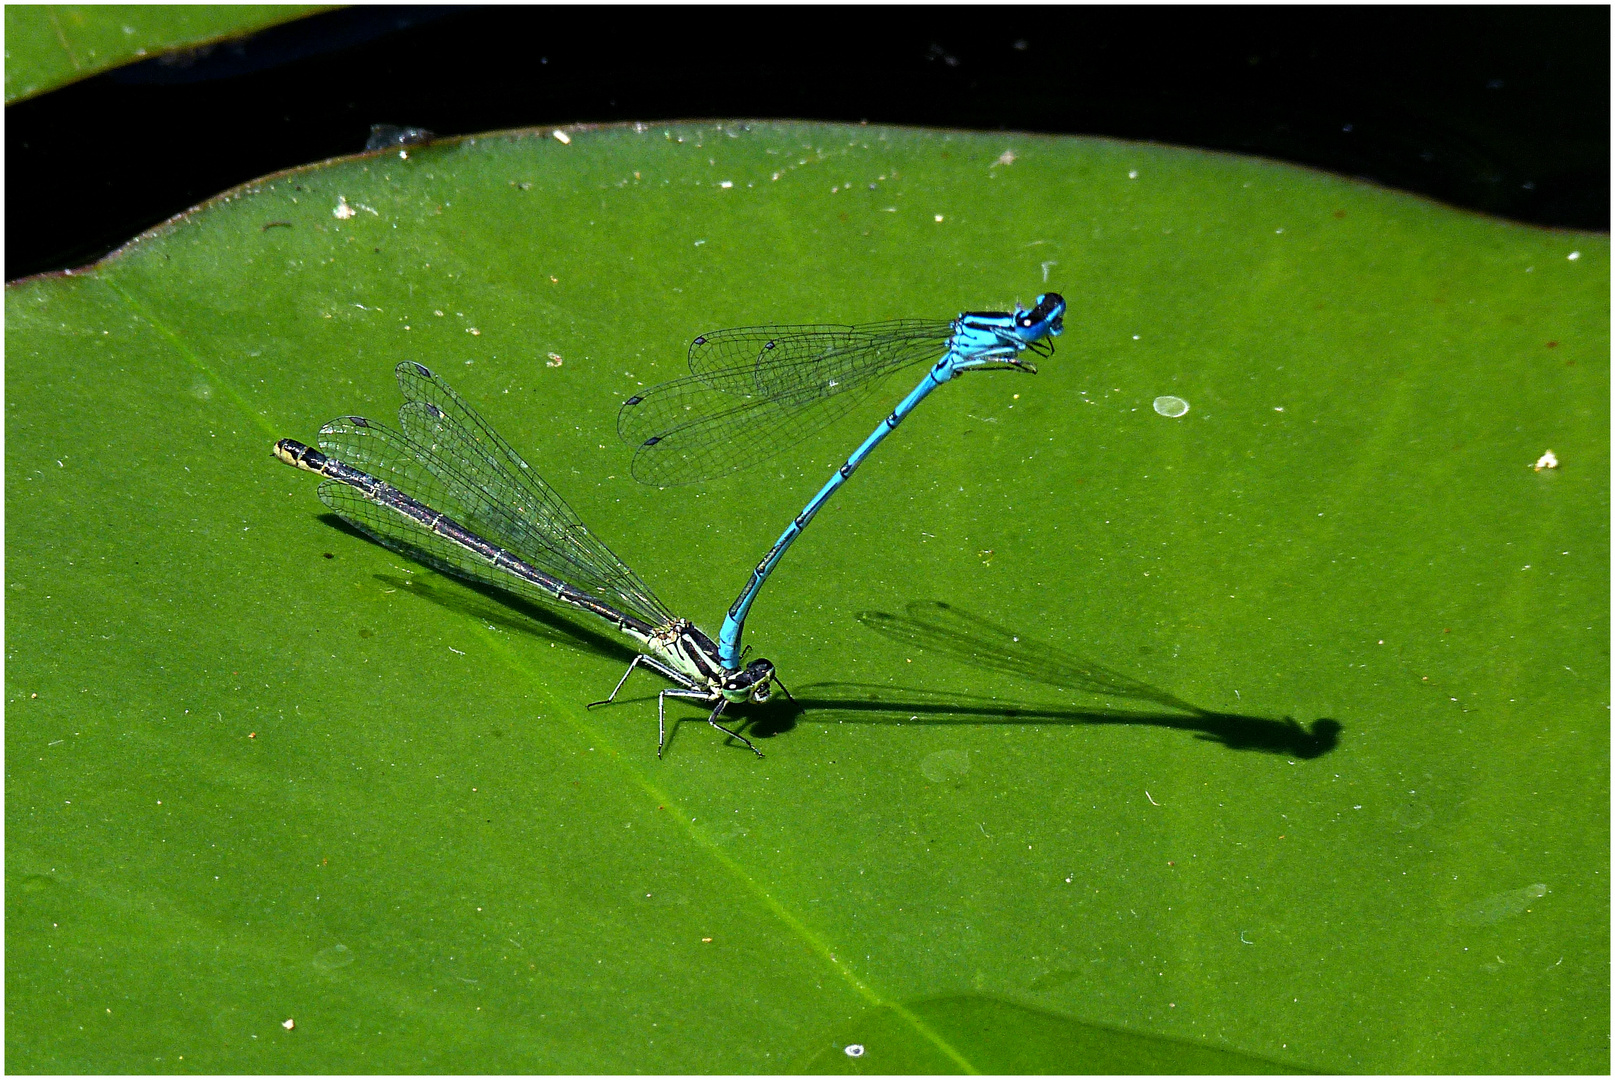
pixel 754 681
pixel 1046 318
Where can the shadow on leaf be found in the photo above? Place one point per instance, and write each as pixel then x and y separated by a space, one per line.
pixel 981 1033
pixel 502 609
pixel 933 625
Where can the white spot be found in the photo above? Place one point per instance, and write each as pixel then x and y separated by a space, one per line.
pixel 287 1024
pixel 727 184
pixel 1170 406
pixel 855 1050
pixel 1132 174
pixel 1006 158
pixel 554 360
pixel 343 211
pixel 939 217
pixel 1046 266
pixel 1573 256
pixel 1546 461
pixel 561 137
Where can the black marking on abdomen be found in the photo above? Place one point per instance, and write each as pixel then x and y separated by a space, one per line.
pixel 384 494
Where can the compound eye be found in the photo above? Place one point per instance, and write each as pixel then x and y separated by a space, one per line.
pixel 762 693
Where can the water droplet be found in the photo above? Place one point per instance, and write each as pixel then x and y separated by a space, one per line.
pixel 1500 906
pixel 945 764
pixel 1170 406
pixel 328 960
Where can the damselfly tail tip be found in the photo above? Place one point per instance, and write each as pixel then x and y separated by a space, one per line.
pixel 290 451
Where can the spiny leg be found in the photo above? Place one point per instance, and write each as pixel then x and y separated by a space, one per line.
pixel 609 698
pixel 660 669
pixel 661 722
pixel 713 720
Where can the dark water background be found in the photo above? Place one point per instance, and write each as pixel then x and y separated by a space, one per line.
pixel 1503 110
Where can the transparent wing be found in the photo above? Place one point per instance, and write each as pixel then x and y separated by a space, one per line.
pixel 408 537
pixel 755 390
pixel 450 459
pixel 774 359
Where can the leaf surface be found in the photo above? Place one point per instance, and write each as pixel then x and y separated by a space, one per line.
pixel 51 45
pixel 1276 729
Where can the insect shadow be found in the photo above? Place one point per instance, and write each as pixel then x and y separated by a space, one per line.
pixel 935 626
pixel 502 610
pixel 498 608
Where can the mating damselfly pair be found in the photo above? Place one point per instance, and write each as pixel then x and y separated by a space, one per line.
pixel 446 490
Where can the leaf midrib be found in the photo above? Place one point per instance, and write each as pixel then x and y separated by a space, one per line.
pixel 597 736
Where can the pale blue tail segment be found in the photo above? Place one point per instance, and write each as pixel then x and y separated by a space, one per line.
pixel 979 340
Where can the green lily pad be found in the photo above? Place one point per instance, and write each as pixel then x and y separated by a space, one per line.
pixel 1128 737
pixel 51 45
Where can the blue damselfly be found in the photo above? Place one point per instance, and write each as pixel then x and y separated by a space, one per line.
pixel 753 391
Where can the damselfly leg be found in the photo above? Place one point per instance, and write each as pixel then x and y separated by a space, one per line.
pixel 659 668
pixel 693 695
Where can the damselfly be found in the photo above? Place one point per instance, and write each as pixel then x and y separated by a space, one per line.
pixel 755 390
pixel 446 490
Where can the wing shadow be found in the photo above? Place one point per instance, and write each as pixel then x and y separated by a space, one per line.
pixel 498 608
pixel 930 625
pixel 936 626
